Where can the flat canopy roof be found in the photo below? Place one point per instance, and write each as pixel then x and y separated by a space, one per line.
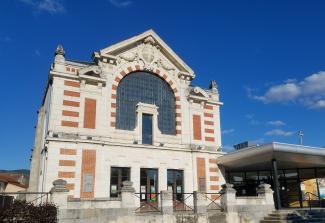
pixel 288 156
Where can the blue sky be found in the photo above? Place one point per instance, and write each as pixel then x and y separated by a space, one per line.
pixel 267 56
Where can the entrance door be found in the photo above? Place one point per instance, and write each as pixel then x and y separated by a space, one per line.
pixel 146 129
pixel 148 185
pixel 175 183
pixel 289 192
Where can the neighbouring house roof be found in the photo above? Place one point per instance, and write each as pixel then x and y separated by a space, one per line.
pixel 7 178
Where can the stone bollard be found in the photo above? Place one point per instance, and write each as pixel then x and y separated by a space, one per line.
pixel 264 190
pixel 59 194
pixel 167 207
pixel 128 197
pixel 200 202
pixel 228 198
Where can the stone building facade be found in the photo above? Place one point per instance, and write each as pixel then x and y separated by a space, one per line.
pixel 130 114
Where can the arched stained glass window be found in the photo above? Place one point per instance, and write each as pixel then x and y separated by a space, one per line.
pixel 146 88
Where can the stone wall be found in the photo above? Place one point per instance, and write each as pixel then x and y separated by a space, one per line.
pixel 233 209
pixel 247 209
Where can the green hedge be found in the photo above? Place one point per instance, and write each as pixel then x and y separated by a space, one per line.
pixel 20 212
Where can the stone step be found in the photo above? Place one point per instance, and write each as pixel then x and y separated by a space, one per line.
pixel 275 218
pixel 278 215
pixel 273 221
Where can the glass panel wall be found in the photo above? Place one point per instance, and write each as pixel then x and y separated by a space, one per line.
pixel 297 187
pixel 118 175
pixel 150 89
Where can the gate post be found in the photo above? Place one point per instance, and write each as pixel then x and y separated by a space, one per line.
pixel 128 197
pixel 200 202
pixel 228 198
pixel 167 202
pixel 59 194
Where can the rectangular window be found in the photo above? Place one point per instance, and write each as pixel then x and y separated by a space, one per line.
pixel 90 113
pixel 201 176
pixel 88 173
pixel 118 175
pixel 197 127
pixel 88 182
pixel 147 129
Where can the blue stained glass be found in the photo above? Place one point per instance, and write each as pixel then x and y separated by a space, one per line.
pixel 146 88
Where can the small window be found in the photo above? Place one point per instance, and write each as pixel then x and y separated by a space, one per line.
pixel 88 182
pixel 118 175
pixel 147 129
pixel 202 185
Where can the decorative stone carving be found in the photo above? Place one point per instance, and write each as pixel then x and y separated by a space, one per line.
pixel 264 188
pixel 213 86
pixel 128 56
pixel 146 53
pixel 127 187
pixel 59 54
pixel 59 50
pixel 165 65
pixel 91 69
pixel 197 94
pixel 59 186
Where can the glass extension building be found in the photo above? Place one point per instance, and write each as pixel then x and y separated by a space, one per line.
pixel 296 173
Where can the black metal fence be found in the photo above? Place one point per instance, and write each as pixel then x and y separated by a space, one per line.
pixel 183 202
pixel 8 198
pixel 213 201
pixel 314 200
pixel 149 202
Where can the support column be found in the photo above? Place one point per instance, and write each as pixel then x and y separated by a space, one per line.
pixel 276 184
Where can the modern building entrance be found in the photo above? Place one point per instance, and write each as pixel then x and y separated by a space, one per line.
pixel 296 173
pixel 297 187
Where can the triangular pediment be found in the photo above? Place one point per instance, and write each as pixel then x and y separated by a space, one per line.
pixel 148 47
pixel 199 92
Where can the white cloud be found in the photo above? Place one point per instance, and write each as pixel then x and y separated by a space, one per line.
pixel 5 39
pixel 279 132
pixel 276 123
pixel 251 118
pixel 121 3
pixel 309 92
pixel 50 6
pixel 37 53
pixel 227 131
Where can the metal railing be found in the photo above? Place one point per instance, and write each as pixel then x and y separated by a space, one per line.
pixel 212 199
pixel 8 198
pixel 182 204
pixel 318 202
pixel 149 202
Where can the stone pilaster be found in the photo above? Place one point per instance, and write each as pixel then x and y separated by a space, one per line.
pixel 200 202
pixel 264 190
pixel 228 198
pixel 128 197
pixel 166 202
pixel 59 194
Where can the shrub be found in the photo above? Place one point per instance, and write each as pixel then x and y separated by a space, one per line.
pixel 21 211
